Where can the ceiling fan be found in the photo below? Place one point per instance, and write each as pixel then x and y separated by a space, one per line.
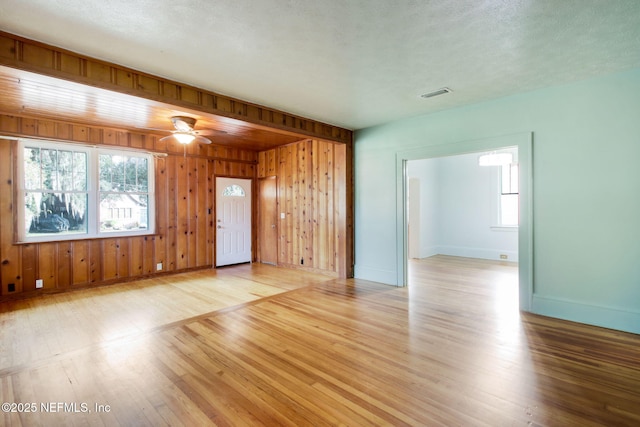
pixel 185 132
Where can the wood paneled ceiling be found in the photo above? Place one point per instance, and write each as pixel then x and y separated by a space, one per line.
pixel 45 82
pixel 28 94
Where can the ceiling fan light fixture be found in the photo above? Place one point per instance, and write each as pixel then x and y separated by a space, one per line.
pixel 184 137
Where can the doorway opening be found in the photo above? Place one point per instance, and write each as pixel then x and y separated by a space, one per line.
pixel 462 215
pixel 523 254
pixel 459 207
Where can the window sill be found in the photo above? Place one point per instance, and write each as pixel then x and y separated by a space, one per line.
pixel 77 238
pixel 510 228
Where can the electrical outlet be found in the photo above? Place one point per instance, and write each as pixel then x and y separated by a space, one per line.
pixel 159 266
pixel 503 256
pixel 39 283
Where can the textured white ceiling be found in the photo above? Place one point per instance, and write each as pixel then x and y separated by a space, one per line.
pixel 352 63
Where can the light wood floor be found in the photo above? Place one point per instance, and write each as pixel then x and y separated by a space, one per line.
pixel 257 345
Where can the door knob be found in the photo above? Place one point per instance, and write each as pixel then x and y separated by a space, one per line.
pixel 219 226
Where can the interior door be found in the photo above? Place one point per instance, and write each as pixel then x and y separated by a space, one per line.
pixel 233 221
pixel 268 221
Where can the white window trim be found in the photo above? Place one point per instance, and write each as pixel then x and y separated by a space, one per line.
pixel 93 202
pixel 496 183
pixel 511 228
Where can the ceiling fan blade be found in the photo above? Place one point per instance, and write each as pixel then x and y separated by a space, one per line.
pixel 202 140
pixel 166 138
pixel 209 132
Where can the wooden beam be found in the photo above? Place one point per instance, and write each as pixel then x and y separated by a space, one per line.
pixel 29 55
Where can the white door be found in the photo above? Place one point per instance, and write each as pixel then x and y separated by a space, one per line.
pixel 233 221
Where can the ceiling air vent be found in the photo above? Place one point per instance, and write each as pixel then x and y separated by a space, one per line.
pixel 436 93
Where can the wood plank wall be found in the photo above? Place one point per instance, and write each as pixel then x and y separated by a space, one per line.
pixel 313 181
pixel 184 200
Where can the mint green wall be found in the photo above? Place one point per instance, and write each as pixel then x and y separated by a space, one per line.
pixel 586 192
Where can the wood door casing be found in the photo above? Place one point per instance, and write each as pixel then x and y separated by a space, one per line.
pixel 268 221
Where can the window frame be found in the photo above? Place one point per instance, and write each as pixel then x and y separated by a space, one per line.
pixel 93 192
pixel 510 192
pixel 233 191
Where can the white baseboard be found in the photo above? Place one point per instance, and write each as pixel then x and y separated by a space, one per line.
pixel 481 253
pixel 388 277
pixel 606 317
pixel 428 251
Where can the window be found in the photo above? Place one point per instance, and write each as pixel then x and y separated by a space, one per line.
pixel 233 191
pixel 123 192
pixel 72 191
pixel 509 195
